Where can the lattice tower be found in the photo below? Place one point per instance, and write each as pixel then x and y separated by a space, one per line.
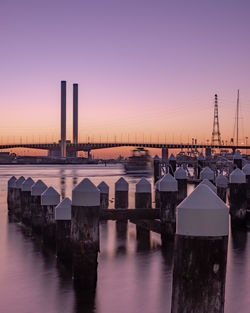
pixel 216 138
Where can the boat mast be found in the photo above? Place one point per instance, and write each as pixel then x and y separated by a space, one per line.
pixel 237 118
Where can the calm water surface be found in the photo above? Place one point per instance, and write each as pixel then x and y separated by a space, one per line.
pixel 130 279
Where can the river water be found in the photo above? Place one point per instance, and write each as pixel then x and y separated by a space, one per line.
pixel 130 279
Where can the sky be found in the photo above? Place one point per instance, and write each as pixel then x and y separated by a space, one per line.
pixel 147 69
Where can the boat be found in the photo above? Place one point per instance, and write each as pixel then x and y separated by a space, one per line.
pixel 140 162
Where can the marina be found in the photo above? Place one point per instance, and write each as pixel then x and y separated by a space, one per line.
pixel 117 255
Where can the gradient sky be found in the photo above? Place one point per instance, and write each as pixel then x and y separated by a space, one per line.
pixel 147 69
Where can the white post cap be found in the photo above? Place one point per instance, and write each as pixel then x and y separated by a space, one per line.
pixel 50 197
pixel 121 185
pixel 203 214
pixel 168 183
pixel 27 184
pixel 209 184
pixel 221 181
pixel 172 157
pixel 156 158
pixel 207 173
pixel 180 173
pixel 143 186
pixel 63 210
pixel 38 188
pixel 201 157
pixel 18 182
pixel 103 187
pixel 237 177
pixel 11 181
pixel 246 169
pixel 237 155
pixel 86 194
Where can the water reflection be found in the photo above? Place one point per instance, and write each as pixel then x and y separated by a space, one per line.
pixel 74 178
pixel 62 182
pixel 239 240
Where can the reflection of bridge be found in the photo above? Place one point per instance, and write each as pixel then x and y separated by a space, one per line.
pixel 73 147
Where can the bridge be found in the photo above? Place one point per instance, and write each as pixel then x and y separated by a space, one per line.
pixel 65 148
pixel 88 146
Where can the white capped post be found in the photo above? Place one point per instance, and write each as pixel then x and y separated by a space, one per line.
pixel 200 255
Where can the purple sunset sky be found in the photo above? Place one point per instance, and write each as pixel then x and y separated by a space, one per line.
pixel 146 69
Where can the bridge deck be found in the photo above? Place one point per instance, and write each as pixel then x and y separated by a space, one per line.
pixel 93 146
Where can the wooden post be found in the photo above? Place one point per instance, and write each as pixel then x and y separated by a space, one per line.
pixel 121 194
pixel 26 200
pixel 181 177
pixel 172 164
pixel 238 159
pixel 238 198
pixel 209 184
pixel 10 194
pixel 121 202
pixel 85 234
pixel 201 162
pixel 50 198
pixel 63 232
pixel 200 253
pixel 222 184
pixel 157 195
pixel 207 173
pixel 157 168
pixel 246 170
pixel 168 188
pixel 143 200
pixel 17 192
pixel 104 195
pixel 36 209
pixel 164 155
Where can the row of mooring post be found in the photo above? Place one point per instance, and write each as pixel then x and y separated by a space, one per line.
pixel 200 222
pixel 198 166
pixel 236 188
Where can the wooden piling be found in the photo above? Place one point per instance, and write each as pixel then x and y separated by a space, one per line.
pixel 172 164
pixel 157 168
pixel 121 194
pixel 237 159
pixel 63 232
pixel 207 173
pixel 143 200
pixel 181 177
pixel 168 188
pixel 200 255
pixel 26 200
pixel 238 198
pixel 246 170
pixel 10 194
pixel 85 234
pixel 50 198
pixel 121 202
pixel 164 155
pixel 201 163
pixel 17 193
pixel 222 184
pixel 104 195
pixel 36 208
pixel 157 195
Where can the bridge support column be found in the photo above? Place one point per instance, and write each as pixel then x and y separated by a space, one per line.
pixel 89 155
